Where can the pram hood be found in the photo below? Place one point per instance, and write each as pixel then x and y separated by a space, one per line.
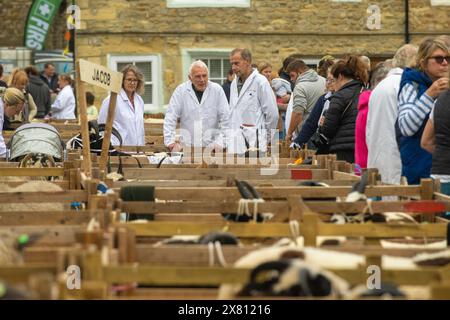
pixel 36 138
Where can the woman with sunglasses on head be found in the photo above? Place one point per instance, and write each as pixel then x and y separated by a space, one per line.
pixel 12 102
pixel 129 115
pixel 419 88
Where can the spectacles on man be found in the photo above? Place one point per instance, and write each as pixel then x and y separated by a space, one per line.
pixel 132 80
pixel 440 59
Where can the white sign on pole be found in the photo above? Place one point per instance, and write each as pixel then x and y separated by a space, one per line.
pixel 100 76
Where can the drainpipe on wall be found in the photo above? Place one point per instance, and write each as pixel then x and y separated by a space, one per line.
pixel 407 34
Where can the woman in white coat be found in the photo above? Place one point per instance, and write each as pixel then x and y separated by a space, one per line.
pixel 254 111
pixel 64 105
pixel 129 115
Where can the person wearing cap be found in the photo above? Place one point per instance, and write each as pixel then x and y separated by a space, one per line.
pixel 11 104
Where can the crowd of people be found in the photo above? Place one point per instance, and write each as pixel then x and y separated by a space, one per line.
pixel 47 94
pixel 391 116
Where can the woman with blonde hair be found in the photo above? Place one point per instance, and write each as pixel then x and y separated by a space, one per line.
pixel 19 80
pixel 129 115
pixel 419 88
pixel 11 103
pixel 265 69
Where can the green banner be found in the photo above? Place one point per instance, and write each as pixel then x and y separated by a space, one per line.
pixel 39 20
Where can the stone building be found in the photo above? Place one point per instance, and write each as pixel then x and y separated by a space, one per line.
pixel 163 37
pixel 13 17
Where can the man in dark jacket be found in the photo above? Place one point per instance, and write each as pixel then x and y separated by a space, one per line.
pixel 50 77
pixel 227 84
pixel 39 91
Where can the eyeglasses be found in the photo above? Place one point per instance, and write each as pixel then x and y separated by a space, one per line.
pixel 440 59
pixel 132 80
pixel 330 80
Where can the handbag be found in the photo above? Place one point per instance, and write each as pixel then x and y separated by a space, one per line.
pixel 318 139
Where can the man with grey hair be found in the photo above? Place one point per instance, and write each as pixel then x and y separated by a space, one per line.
pixel 254 111
pixel 202 108
pixel 383 152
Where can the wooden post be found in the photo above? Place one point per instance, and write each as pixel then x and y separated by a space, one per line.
pixel 330 167
pixel 81 97
pixel 427 193
pixel 309 229
pixel 322 161
pixel 108 131
pixel 109 80
pixel 426 189
pixel 122 236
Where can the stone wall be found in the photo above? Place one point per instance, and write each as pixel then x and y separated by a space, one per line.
pixel 270 29
pixel 13 16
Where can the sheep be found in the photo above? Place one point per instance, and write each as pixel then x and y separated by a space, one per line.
pixel 223 238
pixel 31 186
pixel 317 257
pixel 386 244
pixel 249 195
pixel 13 244
pixel 293 278
pixel 258 257
pixel 441 258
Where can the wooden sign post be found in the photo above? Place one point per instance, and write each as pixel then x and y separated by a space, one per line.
pixel 102 77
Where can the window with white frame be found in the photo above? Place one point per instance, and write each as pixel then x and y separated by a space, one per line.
pixel 218 62
pixel 440 2
pixel 207 3
pixel 218 68
pixel 149 66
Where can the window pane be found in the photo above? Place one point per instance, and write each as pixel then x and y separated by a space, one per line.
pixel 121 65
pixel 204 60
pixel 148 94
pixel 215 69
pixel 226 67
pixel 146 69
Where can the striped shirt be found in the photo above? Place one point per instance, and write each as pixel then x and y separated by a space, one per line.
pixel 412 110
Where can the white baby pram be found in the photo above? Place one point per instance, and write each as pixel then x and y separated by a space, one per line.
pixel 36 145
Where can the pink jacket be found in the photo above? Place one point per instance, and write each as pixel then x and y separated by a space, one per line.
pixel 360 130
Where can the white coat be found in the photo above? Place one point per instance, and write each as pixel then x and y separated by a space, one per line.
pixel 64 105
pixel 128 120
pixel 253 110
pixel 2 141
pixel 383 152
pixel 202 123
pixel 287 121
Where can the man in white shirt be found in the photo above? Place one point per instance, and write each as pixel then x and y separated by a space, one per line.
pixel 203 111
pixel 64 105
pixel 254 111
pixel 383 152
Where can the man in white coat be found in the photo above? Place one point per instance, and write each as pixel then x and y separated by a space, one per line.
pixel 383 152
pixel 203 111
pixel 254 111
